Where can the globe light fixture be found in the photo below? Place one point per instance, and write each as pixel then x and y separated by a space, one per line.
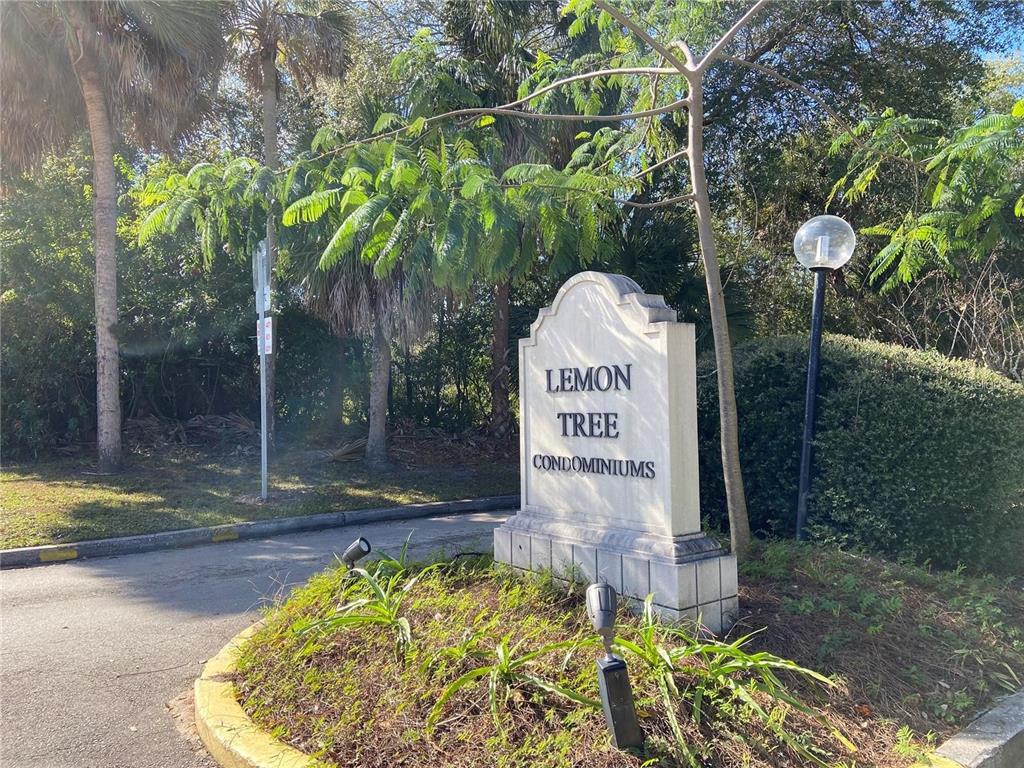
pixel 612 675
pixel 823 244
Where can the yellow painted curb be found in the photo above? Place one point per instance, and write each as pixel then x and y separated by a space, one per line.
pixel 229 534
pixel 231 737
pixel 56 555
pixel 936 761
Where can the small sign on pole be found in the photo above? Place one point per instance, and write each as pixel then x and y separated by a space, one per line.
pixel 265 336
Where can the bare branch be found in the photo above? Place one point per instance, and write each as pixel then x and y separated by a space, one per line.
pixel 640 32
pixel 794 85
pixel 725 39
pixel 660 163
pixel 843 125
pixel 659 203
pixel 682 46
pixel 619 118
pixel 647 130
pixel 508 109
pixel 656 71
pixel 595 193
pixel 711 109
pixel 379 7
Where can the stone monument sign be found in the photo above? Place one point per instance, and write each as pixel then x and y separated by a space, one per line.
pixel 608 452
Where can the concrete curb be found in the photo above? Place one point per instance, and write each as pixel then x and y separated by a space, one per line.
pixel 232 739
pixel 56 553
pixel 994 740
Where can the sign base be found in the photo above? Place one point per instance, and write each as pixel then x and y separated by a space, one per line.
pixel 691 577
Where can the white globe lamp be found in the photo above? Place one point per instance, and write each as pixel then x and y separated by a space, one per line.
pixel 824 242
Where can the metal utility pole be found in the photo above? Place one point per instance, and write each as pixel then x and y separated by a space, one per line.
pixel 264 344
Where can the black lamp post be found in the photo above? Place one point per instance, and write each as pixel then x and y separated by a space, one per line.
pixel 823 244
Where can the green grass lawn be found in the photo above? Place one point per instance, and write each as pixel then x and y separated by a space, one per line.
pixel 58 501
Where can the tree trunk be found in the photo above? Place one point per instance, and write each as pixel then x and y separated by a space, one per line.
pixel 408 380
pixel 500 415
pixel 390 413
pixel 739 524
pixel 376 439
pixel 271 161
pixel 104 208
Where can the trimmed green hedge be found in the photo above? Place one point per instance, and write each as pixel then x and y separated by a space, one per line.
pixel 916 456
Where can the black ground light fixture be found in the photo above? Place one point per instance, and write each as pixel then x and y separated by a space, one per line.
pixel 823 244
pixel 612 675
pixel 357 550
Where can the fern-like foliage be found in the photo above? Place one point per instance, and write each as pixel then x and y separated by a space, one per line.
pixel 433 209
pixel 224 202
pixel 971 200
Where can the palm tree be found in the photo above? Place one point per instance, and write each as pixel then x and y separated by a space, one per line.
pixel 143 68
pixel 310 40
pixel 375 227
pixel 354 301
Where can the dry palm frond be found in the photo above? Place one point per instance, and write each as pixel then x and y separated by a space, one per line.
pixel 157 61
pixel 350 298
pixel 350 451
pixel 153 431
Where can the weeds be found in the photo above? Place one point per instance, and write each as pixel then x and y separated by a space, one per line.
pixel 713 673
pixel 388 585
pixel 507 669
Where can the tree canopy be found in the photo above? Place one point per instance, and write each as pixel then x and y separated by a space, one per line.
pixel 440 166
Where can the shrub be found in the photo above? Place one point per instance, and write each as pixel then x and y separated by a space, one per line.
pixel 916 456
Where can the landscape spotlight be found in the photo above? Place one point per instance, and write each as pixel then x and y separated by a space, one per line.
pixel 602 603
pixel 612 675
pixel 357 550
pixel 823 244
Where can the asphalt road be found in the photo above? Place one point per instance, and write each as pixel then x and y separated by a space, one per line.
pixel 97 656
